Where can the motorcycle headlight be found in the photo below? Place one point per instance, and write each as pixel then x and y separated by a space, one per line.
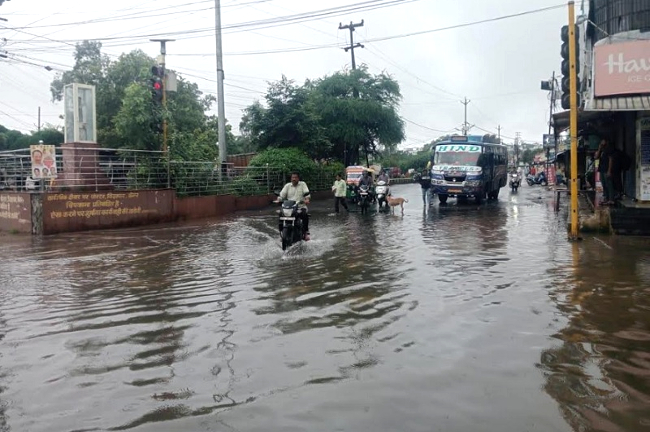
pixel 287 212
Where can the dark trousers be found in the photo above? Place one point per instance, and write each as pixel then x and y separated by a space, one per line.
pixel 617 181
pixel 341 200
pixel 608 186
pixel 304 215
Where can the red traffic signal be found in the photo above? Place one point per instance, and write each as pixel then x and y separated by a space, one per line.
pixel 157 90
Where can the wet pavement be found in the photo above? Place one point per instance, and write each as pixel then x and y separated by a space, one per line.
pixel 462 319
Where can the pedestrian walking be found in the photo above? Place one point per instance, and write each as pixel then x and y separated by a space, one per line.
pixel 340 192
pixel 425 184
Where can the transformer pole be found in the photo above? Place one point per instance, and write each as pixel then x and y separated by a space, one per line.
pixel 221 106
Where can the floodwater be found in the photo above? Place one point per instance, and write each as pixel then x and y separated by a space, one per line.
pixel 462 319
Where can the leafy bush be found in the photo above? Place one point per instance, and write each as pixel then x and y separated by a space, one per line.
pixel 245 186
pixel 290 159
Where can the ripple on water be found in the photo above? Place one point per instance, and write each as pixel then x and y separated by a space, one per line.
pixel 385 321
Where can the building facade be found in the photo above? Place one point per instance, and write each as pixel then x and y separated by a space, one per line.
pixel 615 87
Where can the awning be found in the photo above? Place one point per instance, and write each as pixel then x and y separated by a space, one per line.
pixel 619 103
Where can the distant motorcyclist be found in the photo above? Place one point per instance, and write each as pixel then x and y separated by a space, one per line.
pixel 366 180
pixel 295 191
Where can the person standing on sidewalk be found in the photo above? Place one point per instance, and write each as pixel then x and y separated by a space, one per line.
pixel 340 192
pixel 604 156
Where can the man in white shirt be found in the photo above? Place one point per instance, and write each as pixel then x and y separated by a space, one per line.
pixel 340 189
pixel 295 191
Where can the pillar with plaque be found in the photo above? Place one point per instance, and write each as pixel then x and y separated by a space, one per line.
pixel 80 151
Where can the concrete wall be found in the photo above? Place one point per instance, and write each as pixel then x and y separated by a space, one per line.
pixel 15 212
pixel 82 211
pixel 52 213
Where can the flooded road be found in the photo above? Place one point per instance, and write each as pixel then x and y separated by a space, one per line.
pixel 462 319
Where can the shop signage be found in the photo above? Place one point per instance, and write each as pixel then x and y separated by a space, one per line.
pixel 622 68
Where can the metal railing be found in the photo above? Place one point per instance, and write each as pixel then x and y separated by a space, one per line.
pixel 113 169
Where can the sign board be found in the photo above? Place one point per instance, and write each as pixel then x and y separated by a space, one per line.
pixel 458 148
pixel 43 159
pixel 548 141
pixel 456 168
pixel 80 115
pixel 171 82
pixel 622 68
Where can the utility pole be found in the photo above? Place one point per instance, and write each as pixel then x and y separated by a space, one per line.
pixel 221 107
pixel 163 53
pixel 517 140
pixel 499 130
pixel 550 121
pixel 466 126
pixel 573 122
pixel 351 48
pixel 39 119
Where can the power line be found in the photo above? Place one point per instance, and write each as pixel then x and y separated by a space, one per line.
pixel 274 22
pixel 386 58
pixel 135 38
pixel 425 127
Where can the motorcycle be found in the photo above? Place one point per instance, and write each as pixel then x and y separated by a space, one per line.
pixel 515 182
pixel 364 198
pixel 382 190
pixel 290 224
pixel 539 179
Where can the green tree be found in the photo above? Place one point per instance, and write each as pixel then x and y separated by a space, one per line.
pixel 349 111
pixel 15 140
pixel 359 112
pixel 528 156
pixel 291 120
pixel 125 111
pixel 491 138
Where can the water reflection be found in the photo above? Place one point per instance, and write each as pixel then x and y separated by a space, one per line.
pixel 379 323
pixel 599 372
pixel 4 422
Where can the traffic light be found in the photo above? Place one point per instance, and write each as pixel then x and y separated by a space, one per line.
pixel 566 66
pixel 157 84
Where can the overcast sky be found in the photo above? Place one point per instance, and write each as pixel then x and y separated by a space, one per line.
pixel 498 65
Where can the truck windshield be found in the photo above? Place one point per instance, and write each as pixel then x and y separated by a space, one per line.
pixel 457 158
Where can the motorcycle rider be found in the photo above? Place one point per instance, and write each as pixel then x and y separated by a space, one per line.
pixel 366 180
pixel 295 191
pixel 383 177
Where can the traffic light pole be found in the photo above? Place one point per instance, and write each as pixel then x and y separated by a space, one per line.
pixel 163 53
pixel 573 123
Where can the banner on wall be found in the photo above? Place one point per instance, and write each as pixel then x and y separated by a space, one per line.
pixel 43 159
